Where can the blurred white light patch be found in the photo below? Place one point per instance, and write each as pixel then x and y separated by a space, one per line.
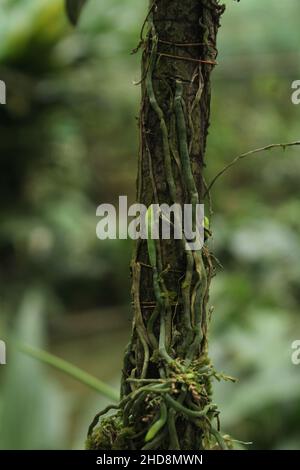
pixel 264 240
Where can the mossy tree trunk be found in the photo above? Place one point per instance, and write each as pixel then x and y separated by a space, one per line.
pixel 166 386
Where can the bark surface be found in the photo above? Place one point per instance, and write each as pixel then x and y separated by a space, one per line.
pixel 166 386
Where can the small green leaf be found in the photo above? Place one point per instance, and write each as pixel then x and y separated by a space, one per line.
pixel 206 223
pixel 74 8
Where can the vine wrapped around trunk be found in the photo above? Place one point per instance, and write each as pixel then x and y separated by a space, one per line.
pixel 166 392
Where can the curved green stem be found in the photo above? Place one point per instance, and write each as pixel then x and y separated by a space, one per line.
pixel 182 409
pixel 174 442
pixel 159 424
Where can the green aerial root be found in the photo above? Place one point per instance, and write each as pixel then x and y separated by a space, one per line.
pixel 166 400
pixel 147 418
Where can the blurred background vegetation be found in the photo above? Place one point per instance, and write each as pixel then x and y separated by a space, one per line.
pixel 68 142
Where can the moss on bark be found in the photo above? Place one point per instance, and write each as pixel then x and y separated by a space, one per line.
pixel 167 375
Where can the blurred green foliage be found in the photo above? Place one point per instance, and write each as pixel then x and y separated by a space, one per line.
pixel 68 142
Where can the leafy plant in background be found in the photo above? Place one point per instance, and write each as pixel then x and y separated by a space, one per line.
pixel 258 283
pixel 166 363
pixel 29 399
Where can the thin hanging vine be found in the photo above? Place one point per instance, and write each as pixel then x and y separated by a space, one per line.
pixel 166 389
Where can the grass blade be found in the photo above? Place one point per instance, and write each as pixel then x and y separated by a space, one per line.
pixel 71 370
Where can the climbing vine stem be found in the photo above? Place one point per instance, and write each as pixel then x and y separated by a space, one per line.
pixel 166 400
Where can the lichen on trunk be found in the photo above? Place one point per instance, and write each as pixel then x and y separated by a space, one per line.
pixel 166 392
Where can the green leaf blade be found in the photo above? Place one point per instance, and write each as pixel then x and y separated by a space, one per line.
pixel 71 370
pixel 73 9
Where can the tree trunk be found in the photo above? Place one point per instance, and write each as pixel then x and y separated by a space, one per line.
pixel 166 387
